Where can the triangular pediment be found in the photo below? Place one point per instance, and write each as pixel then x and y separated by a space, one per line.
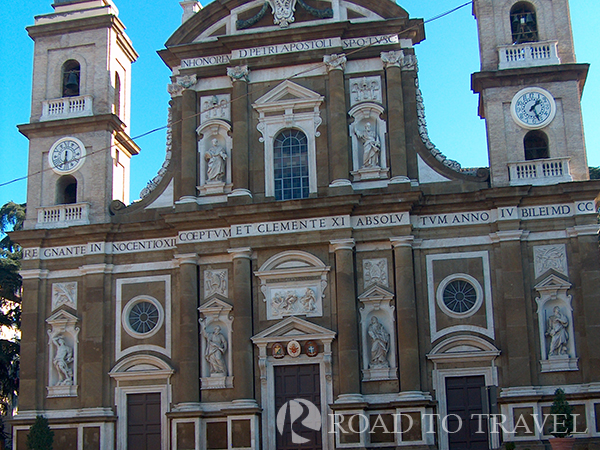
pixel 293 327
pixel 216 302
pixel 552 281
pixel 62 316
pixel 287 92
pixel 376 292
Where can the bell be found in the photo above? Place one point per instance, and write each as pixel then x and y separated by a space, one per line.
pixel 529 19
pixel 72 82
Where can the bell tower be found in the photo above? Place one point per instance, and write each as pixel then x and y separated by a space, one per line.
pixel 530 88
pixel 79 147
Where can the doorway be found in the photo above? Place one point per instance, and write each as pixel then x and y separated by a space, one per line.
pixel 464 400
pixel 143 421
pixel 297 382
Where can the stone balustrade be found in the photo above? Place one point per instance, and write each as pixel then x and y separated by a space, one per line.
pixel 61 216
pixel 539 171
pixel 67 108
pixel 529 54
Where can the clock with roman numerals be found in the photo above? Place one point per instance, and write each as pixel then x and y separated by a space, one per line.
pixel 533 108
pixel 66 155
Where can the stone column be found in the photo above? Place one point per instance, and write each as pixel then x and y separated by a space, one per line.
pixel 338 127
pixel 395 104
pixel 518 319
pixel 186 389
pixel 239 118
pixel 407 330
pixel 348 334
pixel 243 361
pixel 189 147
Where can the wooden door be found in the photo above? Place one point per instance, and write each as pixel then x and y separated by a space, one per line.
pixel 463 399
pixel 143 422
pixel 297 382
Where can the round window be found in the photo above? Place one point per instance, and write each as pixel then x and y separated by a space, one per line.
pixel 459 295
pixel 142 317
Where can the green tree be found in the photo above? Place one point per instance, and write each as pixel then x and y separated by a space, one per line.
pixel 40 436
pixel 562 415
pixel 12 216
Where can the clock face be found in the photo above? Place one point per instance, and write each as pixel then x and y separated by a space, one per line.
pixel 66 155
pixel 533 108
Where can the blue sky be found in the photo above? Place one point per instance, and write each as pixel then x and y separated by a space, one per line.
pixel 446 60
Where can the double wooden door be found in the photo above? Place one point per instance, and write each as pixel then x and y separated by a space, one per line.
pixel 297 382
pixel 143 421
pixel 464 400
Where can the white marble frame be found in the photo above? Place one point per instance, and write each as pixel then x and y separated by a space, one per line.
pixel 210 129
pixel 138 368
pixel 106 432
pixel 216 312
pixel 65 324
pixel 364 112
pixel 553 292
pixel 377 302
pixel 293 264
pixel 277 114
pixel 487 301
pixel 475 351
pixel 195 421
pixel 278 333
pixel 167 325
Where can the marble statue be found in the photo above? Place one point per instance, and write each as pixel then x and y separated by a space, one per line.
pixel 216 346
pixel 63 361
pixel 215 158
pixel 557 330
pixel 371 146
pixel 380 344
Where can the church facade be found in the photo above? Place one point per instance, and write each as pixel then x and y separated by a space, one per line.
pixel 307 270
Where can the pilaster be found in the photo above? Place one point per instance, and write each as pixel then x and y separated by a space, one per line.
pixel 339 158
pixel 239 118
pixel 407 330
pixel 189 141
pixel 348 333
pixel 242 349
pixel 186 352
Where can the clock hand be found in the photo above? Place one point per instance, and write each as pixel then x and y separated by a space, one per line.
pixel 537 102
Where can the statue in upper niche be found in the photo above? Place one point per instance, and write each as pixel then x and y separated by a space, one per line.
pixel 215 158
pixel 63 361
pixel 371 146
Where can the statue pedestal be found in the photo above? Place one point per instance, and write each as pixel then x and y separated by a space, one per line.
pixel 384 373
pixel 212 188
pixel 62 391
pixel 371 173
pixel 559 363
pixel 216 381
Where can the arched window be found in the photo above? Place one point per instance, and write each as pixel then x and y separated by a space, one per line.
pixel 70 78
pixel 66 190
pixel 117 109
pixel 523 23
pixel 290 162
pixel 536 145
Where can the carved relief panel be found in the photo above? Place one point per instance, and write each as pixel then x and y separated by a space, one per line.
pixel 216 332
pixel 216 282
pixel 547 257
pixel 375 271
pixel 62 352
pixel 64 294
pixel 215 107
pixel 365 89
pixel 293 283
